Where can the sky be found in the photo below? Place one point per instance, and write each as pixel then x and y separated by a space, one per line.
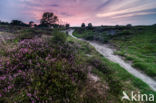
pixel 75 12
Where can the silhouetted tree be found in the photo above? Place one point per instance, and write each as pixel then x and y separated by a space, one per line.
pixel 31 24
pixel 129 26
pixel 35 25
pixel 18 23
pixel 67 26
pixel 90 26
pixel 48 19
pixel 83 25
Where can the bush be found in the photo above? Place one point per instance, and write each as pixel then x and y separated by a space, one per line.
pixel 39 73
pixel 59 37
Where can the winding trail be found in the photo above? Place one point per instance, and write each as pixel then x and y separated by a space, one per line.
pixel 108 52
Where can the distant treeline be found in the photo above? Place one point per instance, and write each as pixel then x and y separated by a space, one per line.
pixel 48 20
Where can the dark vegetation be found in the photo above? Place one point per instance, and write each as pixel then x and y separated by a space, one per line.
pixel 103 33
pixel 48 20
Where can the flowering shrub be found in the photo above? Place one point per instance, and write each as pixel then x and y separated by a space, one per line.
pixel 40 72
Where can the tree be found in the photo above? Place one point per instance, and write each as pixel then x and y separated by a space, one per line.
pixel 67 26
pixel 4 23
pixel 83 25
pixel 31 24
pixel 90 26
pixel 129 26
pixel 48 19
pixel 18 22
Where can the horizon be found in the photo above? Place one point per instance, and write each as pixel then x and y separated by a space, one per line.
pixel 75 12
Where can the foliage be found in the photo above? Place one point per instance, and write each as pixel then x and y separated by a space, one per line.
pixel 48 19
pixel 90 26
pixel 18 22
pixel 67 26
pixel 39 71
pixel 31 23
pixel 92 35
pixel 129 26
pixel 59 37
pixel 125 32
pixel 83 25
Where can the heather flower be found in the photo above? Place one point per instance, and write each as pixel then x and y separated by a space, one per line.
pixel 15 75
pixel 19 71
pixel 29 94
pixel 9 87
pixel 35 66
pixel 2 77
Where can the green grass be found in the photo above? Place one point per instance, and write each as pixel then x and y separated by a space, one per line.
pixel 55 80
pixel 127 81
pixel 136 44
pixel 139 48
pixel 92 35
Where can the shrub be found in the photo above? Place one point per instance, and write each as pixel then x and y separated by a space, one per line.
pixel 59 37
pixel 37 72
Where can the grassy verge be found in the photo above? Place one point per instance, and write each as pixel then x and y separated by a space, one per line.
pixel 139 48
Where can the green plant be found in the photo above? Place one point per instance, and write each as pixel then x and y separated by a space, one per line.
pixel 59 37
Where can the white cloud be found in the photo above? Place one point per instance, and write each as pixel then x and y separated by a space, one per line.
pixel 115 12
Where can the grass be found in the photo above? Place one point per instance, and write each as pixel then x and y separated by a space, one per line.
pixel 127 81
pixel 139 48
pixel 92 35
pixel 136 44
pixel 55 69
pixel 51 69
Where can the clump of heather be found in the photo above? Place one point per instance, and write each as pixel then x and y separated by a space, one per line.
pixel 41 72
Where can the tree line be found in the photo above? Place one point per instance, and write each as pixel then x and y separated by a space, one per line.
pixel 48 19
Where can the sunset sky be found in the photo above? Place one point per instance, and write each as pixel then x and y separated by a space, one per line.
pixel 98 12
